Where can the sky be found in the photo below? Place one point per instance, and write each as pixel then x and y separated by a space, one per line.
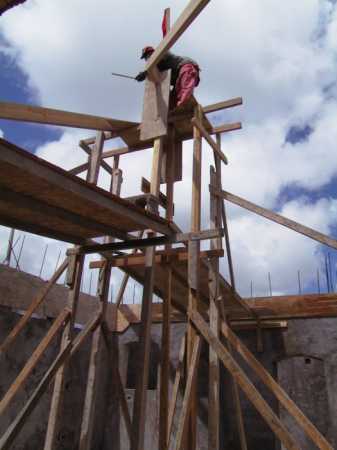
pixel 280 57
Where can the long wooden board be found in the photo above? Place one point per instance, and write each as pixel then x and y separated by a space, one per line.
pixel 39 197
pixel 38 114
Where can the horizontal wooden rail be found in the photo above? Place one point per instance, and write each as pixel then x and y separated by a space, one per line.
pixel 237 101
pixel 225 128
pixel 148 242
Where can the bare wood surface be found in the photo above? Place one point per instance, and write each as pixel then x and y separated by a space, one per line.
pixel 37 114
pixel 95 158
pixel 57 397
pixel 274 217
pixel 155 107
pixel 88 150
pixel 280 394
pixel 33 360
pixel 14 428
pixel 192 10
pixel 197 123
pixel 33 307
pixel 237 101
pixel 248 388
pixel 214 321
pixel 79 169
pixel 175 389
pixel 225 128
pixel 189 392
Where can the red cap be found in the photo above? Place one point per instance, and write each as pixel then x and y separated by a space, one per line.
pixel 146 51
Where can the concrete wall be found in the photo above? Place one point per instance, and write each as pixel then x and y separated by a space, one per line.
pixel 303 357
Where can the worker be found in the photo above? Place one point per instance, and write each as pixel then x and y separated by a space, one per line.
pixel 185 74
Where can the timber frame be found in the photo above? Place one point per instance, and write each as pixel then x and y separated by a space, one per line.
pixel 58 204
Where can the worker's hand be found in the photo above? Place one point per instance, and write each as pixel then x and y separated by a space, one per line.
pixel 141 76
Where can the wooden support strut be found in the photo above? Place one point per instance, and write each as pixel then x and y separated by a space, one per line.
pixel 139 408
pixel 197 123
pixel 248 388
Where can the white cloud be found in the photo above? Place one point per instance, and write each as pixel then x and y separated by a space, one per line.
pixel 279 56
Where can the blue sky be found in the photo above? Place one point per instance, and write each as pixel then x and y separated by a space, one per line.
pixel 283 65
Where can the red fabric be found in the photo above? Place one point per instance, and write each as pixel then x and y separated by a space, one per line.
pixel 164 25
pixel 187 80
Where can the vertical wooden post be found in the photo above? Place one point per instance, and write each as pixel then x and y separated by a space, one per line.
pixel 139 408
pixel 96 345
pixel 74 276
pixel 214 370
pixel 193 272
pixel 95 158
pixel 165 340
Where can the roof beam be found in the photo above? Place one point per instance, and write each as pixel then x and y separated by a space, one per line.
pixel 192 10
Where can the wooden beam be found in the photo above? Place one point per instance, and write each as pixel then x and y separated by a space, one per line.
pixel 79 169
pixel 237 101
pixel 145 187
pixel 21 379
pixel 162 256
pixel 74 274
pixel 276 389
pixel 188 396
pixel 95 159
pixel 248 388
pixel 192 10
pixel 37 114
pixel 175 238
pixel 88 150
pixel 274 217
pixel 33 306
pixel 225 128
pixel 175 388
pixel 68 350
pixel 214 320
pixel 197 123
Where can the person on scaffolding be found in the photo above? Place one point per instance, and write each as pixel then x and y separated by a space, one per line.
pixel 185 74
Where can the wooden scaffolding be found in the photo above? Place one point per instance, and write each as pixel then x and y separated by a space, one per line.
pixel 38 197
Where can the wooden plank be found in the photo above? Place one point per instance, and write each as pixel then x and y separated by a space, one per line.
pixel 237 101
pixel 37 114
pixel 210 141
pixel 57 398
pixel 188 396
pixel 95 158
pixel 155 107
pixel 145 187
pixel 33 306
pixel 192 10
pixel 194 272
pixel 174 255
pixel 235 393
pixel 274 217
pixel 175 388
pixel 88 150
pixel 139 409
pixel 21 379
pixel 280 394
pixel 214 320
pixel 68 350
pixel 176 238
pixel 227 127
pixel 79 169
pixel 54 186
pixel 248 388
pixel 163 441
pixel 14 428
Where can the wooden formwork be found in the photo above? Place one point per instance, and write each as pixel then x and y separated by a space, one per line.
pixel 38 197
